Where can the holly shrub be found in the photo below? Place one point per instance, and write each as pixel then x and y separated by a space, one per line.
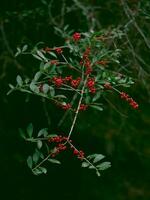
pixel 74 78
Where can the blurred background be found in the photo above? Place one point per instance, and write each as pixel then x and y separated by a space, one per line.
pixel 118 132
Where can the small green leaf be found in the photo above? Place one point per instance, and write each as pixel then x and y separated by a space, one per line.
pixel 11 86
pixel 19 80
pixel 45 88
pixel 99 108
pixel 39 170
pixel 104 166
pixel 39 53
pixel 22 133
pixel 39 144
pixel 30 130
pixel 43 170
pixel 43 132
pixel 85 164
pixel 52 91
pixel 54 161
pixel 61 96
pixel 37 76
pixel 98 157
pixel 46 66
pixel 29 162
pixel 36 156
pixel 96 97
pixel 25 47
pixel 97 173
pixel 33 87
pixel 37 57
pixel 52 54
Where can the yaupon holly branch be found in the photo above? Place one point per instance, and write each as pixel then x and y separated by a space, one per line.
pixel 74 77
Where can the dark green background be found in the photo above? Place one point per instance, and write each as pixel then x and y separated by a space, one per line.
pixel 124 140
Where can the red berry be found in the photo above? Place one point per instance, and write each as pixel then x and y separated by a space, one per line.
pixel 59 50
pixel 76 36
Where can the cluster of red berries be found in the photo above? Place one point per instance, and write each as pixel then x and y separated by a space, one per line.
pixel 80 154
pixel 76 36
pixel 60 140
pixel 86 61
pixel 57 139
pixel 58 81
pixel 59 147
pixel 127 98
pixel 91 85
pixel 83 107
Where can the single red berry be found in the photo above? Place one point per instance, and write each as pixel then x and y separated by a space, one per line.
pixel 76 36
pixel 66 107
pixel 75 152
pixel 54 62
pixel 59 50
pixel 83 107
pixel 107 86
pixel 90 82
pixel 92 90
pixel 58 81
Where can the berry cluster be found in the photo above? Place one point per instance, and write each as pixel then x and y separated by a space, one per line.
pixel 127 98
pixel 83 107
pixel 86 61
pixel 80 154
pixel 60 140
pixel 58 81
pixel 91 85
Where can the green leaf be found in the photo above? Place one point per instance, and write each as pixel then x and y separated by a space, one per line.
pixel 36 156
pixel 37 57
pixel 45 88
pixel 85 164
pixel 37 76
pixel 29 162
pixel 98 157
pixel 30 130
pixel 39 53
pixel 39 170
pixel 99 108
pixel 39 144
pixel 22 133
pixel 61 96
pixel 52 91
pixel 33 87
pixel 96 97
pixel 11 86
pixel 46 66
pixel 97 173
pixel 54 161
pixel 43 170
pixel 104 166
pixel 25 47
pixel 19 80
pixel 52 54
pixel 43 132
